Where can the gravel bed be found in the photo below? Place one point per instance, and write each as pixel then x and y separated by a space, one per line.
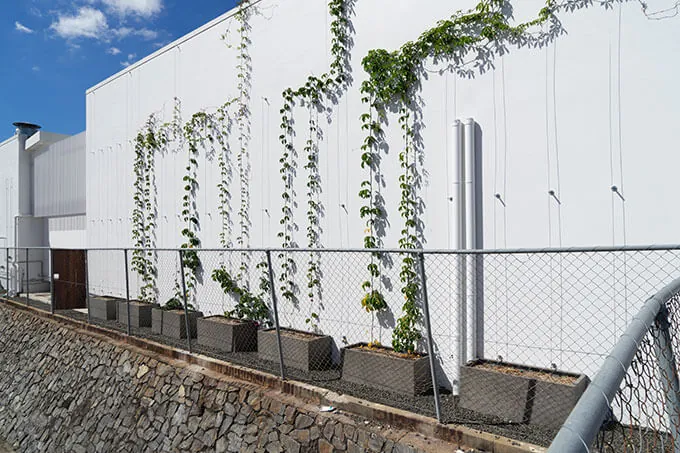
pixel 331 379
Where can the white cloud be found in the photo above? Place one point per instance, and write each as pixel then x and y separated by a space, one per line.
pixel 113 51
pixel 88 23
pixel 129 61
pixel 22 28
pixel 144 33
pixel 145 8
pixel 92 23
pixel 36 68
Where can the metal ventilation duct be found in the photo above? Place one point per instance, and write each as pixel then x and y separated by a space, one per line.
pixel 27 129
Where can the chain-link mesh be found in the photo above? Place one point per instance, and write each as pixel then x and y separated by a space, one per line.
pixel 645 413
pixel 515 335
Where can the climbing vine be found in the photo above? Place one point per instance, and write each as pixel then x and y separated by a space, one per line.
pixel 315 95
pixel 147 144
pixel 244 74
pixel 212 132
pixel 194 133
pixel 248 305
pixel 393 82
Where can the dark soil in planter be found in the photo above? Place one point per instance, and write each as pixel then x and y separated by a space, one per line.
pixel 302 350
pixel 140 313
pixel 172 323
pixel 227 334
pixel 103 307
pixel 385 369
pixel 520 394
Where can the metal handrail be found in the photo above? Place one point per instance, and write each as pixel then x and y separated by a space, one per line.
pixel 584 422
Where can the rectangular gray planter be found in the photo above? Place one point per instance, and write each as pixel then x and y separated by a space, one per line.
pixel 302 350
pixel 171 323
pixel 140 313
pixel 520 394
pixel 386 370
pixel 226 334
pixel 103 307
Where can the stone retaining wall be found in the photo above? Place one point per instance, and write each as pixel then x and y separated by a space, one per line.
pixel 67 390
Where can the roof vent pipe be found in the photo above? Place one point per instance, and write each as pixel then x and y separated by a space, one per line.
pixel 27 129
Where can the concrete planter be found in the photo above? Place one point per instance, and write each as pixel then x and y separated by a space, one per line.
pixel 520 394
pixel 140 313
pixel 103 307
pixel 171 323
pixel 302 350
pixel 226 334
pixel 383 369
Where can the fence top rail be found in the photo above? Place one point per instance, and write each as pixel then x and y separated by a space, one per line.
pixel 545 250
pixel 584 422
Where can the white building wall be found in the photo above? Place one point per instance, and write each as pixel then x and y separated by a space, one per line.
pixel 59 178
pixel 594 110
pixel 9 178
pixel 67 232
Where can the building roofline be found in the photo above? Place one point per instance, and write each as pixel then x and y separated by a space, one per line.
pixel 210 25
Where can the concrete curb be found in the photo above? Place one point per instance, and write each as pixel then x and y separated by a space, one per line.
pixel 400 419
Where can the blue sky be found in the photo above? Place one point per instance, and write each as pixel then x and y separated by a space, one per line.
pixel 54 50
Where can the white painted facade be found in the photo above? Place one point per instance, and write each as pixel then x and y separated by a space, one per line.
pixel 32 174
pixel 594 110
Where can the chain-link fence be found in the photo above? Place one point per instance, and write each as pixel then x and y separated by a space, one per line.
pixel 633 403
pixel 505 341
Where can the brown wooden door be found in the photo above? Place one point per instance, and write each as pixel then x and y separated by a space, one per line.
pixel 70 289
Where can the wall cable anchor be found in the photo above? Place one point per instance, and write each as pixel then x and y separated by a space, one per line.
pixel 499 198
pixel 616 191
pixel 552 194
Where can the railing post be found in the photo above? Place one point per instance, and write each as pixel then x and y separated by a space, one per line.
pixel 127 289
pixel 276 314
pixel 87 290
pixel 49 265
pixel 668 375
pixel 28 289
pixel 430 343
pixel 184 297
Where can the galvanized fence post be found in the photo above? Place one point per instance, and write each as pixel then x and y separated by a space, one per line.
pixel 87 290
pixel 127 289
pixel 430 344
pixel 184 297
pixel 276 314
pixel 668 375
pixel 49 265
pixel 28 289
pixel 7 268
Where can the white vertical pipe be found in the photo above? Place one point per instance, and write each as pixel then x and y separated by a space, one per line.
pixel 457 238
pixel 470 238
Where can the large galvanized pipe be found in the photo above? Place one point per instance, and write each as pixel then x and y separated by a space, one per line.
pixel 457 238
pixel 470 237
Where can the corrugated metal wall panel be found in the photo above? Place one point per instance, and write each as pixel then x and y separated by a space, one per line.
pixel 71 223
pixel 59 178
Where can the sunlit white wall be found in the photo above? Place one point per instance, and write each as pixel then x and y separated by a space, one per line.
pixel 595 110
